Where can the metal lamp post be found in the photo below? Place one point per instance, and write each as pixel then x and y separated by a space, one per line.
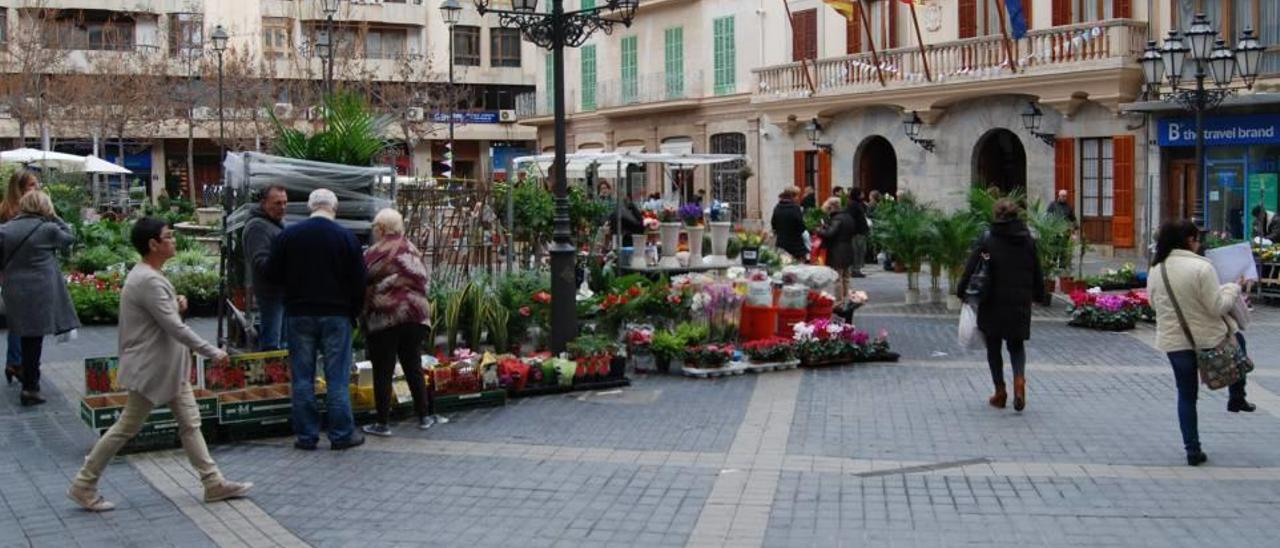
pixel 451 10
pixel 219 39
pixel 557 29
pixel 1031 122
pixel 1213 58
pixel 330 8
pixel 911 123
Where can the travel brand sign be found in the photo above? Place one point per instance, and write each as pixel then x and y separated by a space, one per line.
pixel 1258 129
pixel 481 117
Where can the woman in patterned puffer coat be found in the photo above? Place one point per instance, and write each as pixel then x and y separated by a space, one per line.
pixel 396 317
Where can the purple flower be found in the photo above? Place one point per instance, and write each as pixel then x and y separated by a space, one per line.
pixel 861 337
pixel 1112 303
pixel 691 214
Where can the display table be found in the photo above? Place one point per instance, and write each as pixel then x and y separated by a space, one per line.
pixel 676 270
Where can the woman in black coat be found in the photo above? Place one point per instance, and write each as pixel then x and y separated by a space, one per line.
pixel 788 225
pixel 837 238
pixel 1004 313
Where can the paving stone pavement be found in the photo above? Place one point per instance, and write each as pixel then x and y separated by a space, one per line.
pixel 904 454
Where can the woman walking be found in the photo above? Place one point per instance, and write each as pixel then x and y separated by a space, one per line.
pixel 396 317
pixel 22 182
pixel 1184 291
pixel 788 225
pixel 35 294
pixel 1004 313
pixel 837 238
pixel 154 367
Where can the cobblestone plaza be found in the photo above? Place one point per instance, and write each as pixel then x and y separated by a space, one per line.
pixel 905 454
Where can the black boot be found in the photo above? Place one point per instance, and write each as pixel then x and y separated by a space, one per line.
pixel 29 399
pixel 1238 405
pixel 1197 458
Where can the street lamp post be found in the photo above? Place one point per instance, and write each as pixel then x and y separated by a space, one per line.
pixel 451 10
pixel 1213 58
pixel 557 29
pixel 330 8
pixel 219 39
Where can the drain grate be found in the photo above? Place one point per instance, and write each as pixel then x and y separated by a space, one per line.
pixel 924 468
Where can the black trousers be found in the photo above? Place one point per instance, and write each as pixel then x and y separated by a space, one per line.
pixel 995 359
pixel 403 342
pixel 32 347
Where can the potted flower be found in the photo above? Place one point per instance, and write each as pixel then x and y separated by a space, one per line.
pixel 751 241
pixel 771 350
pixel 594 354
pixel 718 215
pixel 669 228
pixel 638 339
pixel 666 347
pixel 951 239
pixel 1108 312
pixel 691 214
pixel 708 356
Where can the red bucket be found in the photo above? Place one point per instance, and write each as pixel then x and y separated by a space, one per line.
pixel 816 311
pixel 758 322
pixel 788 318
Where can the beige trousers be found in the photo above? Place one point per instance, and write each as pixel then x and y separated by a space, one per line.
pixel 136 410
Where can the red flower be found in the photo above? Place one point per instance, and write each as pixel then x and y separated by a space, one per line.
pixel 524 311
pixel 673 299
pixel 622 300
pixel 542 297
pixel 634 291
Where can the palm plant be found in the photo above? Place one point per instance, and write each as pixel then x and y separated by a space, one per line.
pixel 951 238
pixel 1053 238
pixel 353 134
pixel 902 230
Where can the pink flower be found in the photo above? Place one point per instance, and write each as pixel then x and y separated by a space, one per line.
pixel 524 311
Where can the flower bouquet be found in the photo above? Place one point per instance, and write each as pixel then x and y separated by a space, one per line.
pixel 852 302
pixel 1108 312
pixel 668 214
pixel 718 212
pixel 691 214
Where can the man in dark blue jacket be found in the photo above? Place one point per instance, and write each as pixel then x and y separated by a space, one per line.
pixel 321 268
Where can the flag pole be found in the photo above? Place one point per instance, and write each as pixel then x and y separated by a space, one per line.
pixel 813 90
pixel 866 24
pixel 924 57
pixel 1008 44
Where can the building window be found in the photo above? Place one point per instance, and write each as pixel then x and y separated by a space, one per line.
pixel 4 25
pixel 804 35
pixel 504 47
pixel 1096 184
pixel 674 62
pixel 985 20
pixel 186 33
pixel 589 77
pixel 630 70
pixel 276 34
pixel 727 183
pixel 90 30
pixel 384 43
pixel 466 45
pixel 725 56
pixel 1230 18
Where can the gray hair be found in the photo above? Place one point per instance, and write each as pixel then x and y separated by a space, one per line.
pixel 322 198
pixel 388 222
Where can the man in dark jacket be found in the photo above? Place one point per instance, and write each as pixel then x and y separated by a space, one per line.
pixel 861 230
pixel 1062 208
pixel 321 267
pixel 788 225
pixel 266 220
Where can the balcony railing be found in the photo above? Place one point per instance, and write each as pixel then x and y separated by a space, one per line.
pixel 538 104
pixel 1041 51
pixel 649 88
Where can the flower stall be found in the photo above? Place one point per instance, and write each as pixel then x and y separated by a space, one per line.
pixel 1095 309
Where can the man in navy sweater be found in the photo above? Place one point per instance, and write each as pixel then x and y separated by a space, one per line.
pixel 321 268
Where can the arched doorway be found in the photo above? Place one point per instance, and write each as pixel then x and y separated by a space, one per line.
pixel 876 166
pixel 1000 161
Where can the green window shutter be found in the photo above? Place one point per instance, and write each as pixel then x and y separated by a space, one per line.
pixel 674 62
pixel 589 77
pixel 551 83
pixel 630 87
pixel 725 56
pixel 588 4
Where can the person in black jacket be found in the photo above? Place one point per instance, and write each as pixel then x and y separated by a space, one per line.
pixel 788 225
pixel 1004 312
pixel 266 221
pixel 837 238
pixel 321 268
pixel 861 231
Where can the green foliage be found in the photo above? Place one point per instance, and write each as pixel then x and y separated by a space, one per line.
pixel 194 275
pixel 68 194
pixel 100 257
pixel 951 237
pixel 586 214
pixel 514 292
pixel 591 345
pixel 96 298
pixel 667 345
pixel 532 210
pixel 814 219
pixel 693 333
pixel 353 134
pixel 902 229
pixel 1053 244
pixel 982 201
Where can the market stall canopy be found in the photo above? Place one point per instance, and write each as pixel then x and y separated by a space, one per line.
pixel 61 161
pixel 578 163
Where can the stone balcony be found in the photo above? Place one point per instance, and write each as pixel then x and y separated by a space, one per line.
pixel 644 95
pixel 1060 66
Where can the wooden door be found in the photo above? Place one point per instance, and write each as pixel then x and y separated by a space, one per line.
pixel 1180 191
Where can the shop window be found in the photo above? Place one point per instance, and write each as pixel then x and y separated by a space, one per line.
pixel 727 183
pixel 466 45
pixel 1097 188
pixel 504 47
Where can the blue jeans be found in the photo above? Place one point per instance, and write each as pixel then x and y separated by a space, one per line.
pixel 1187 377
pixel 13 355
pixel 270 322
pixel 331 337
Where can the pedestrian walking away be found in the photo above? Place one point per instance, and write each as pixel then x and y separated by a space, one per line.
pixel 266 221
pixel 397 317
pixel 155 366
pixel 35 292
pixel 321 267
pixel 1184 291
pixel 1004 313
pixel 20 183
pixel 788 225
pixel 837 238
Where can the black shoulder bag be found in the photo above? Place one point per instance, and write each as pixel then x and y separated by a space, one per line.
pixel 976 290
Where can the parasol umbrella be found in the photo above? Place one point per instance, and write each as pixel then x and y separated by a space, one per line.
pixel 94 164
pixel 44 158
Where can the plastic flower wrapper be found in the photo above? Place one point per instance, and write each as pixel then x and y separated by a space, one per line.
pixel 718 212
pixel 857 297
pixel 652 206
pixel 651 224
pixel 758 275
pixel 639 335
pixel 699 302
pixel 820 298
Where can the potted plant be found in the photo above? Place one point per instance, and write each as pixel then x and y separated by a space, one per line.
pixel 1053 241
pixel 751 240
pixel 593 353
pixel 718 215
pixel 691 215
pixel 708 356
pixel 901 228
pixel 951 238
pixel 771 350
pixel 669 230
pixel 666 347
pixel 1107 312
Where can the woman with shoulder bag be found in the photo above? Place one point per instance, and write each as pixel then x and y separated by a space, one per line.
pixel 1192 311
pixel 22 182
pixel 1013 281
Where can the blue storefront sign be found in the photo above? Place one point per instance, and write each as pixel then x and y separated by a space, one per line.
pixel 482 117
pixel 1256 129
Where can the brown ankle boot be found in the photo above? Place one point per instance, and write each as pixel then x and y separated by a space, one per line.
pixel 1019 393
pixel 999 398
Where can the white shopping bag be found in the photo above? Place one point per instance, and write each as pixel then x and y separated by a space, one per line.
pixel 968 334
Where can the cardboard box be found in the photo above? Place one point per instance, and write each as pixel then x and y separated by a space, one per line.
pixel 460 402
pixel 249 370
pixel 260 404
pixel 102 411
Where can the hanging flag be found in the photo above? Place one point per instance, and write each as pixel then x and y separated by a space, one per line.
pixel 845 7
pixel 1017 18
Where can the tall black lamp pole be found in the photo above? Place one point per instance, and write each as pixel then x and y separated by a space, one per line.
pixel 451 10
pixel 1211 57
pixel 557 29
pixel 330 8
pixel 219 40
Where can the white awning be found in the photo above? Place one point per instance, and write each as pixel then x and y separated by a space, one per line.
pixel 578 163
pixel 677 147
pixel 609 170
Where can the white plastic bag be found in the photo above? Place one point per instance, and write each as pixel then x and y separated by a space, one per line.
pixel 968 334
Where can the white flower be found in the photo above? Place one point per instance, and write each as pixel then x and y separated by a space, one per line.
pixel 834 329
pixel 699 302
pixel 803 332
pixel 1095 291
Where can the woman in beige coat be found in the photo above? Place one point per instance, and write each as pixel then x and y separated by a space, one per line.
pixel 154 368
pixel 1205 305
